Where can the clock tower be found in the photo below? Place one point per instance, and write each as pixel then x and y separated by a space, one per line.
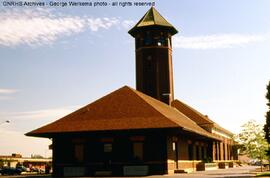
pixel 153 43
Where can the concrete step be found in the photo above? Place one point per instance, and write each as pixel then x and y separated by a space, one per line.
pixel 179 171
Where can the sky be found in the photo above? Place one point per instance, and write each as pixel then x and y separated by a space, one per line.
pixel 54 60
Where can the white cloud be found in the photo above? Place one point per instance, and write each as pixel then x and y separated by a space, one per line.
pixel 217 41
pixel 41 27
pixel 127 24
pixel 35 27
pixel 7 91
pixel 6 94
pixel 44 114
pixel 96 23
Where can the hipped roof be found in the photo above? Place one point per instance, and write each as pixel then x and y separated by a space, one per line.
pixel 192 113
pixel 196 116
pixel 152 18
pixel 123 109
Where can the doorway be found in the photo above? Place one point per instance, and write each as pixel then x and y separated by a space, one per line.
pixel 175 151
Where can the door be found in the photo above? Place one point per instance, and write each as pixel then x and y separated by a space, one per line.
pixel 175 152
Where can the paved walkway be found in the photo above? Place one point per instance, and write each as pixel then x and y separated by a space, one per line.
pixel 246 171
pixel 239 172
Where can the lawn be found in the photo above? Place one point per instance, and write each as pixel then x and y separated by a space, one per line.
pixel 264 174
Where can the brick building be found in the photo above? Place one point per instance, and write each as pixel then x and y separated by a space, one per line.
pixel 138 132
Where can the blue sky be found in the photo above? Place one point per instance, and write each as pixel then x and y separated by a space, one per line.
pixel 55 60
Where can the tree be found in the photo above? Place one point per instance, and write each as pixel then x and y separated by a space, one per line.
pixel 267 121
pixel 267 116
pixel 36 156
pixel 1 163
pixel 252 140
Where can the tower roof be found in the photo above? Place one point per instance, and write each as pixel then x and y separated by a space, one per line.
pixel 152 18
pixel 123 109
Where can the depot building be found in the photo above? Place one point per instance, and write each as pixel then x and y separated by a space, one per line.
pixel 142 131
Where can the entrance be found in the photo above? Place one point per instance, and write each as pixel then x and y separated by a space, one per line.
pixel 175 151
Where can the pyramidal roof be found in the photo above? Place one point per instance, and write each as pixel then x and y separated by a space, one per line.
pixel 123 109
pixel 152 18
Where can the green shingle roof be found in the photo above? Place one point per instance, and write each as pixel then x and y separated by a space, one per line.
pixel 152 18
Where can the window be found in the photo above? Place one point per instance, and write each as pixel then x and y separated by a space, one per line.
pixel 79 152
pixel 148 39
pixel 217 151
pixel 161 41
pixel 174 146
pixel 168 42
pixel 224 151
pixel 197 152
pixel 138 151
pixel 190 151
pixel 107 147
pixel 203 152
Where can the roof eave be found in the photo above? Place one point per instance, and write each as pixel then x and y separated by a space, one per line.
pixel 136 29
pixel 53 134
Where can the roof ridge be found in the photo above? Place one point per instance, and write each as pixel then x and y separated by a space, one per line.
pixel 195 111
pixel 206 133
pixel 74 113
pixel 223 129
pixel 125 108
pixel 203 116
pixel 155 12
pixel 140 94
pixel 152 18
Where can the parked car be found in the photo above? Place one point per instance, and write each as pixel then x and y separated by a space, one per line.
pixel 10 171
pixel 42 171
pixel 22 168
pixel 34 169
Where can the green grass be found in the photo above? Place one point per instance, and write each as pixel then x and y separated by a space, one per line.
pixel 264 174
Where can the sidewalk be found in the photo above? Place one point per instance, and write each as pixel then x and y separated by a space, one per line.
pixel 245 171
pixel 238 172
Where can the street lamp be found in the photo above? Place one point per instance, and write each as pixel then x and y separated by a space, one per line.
pixel 7 121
